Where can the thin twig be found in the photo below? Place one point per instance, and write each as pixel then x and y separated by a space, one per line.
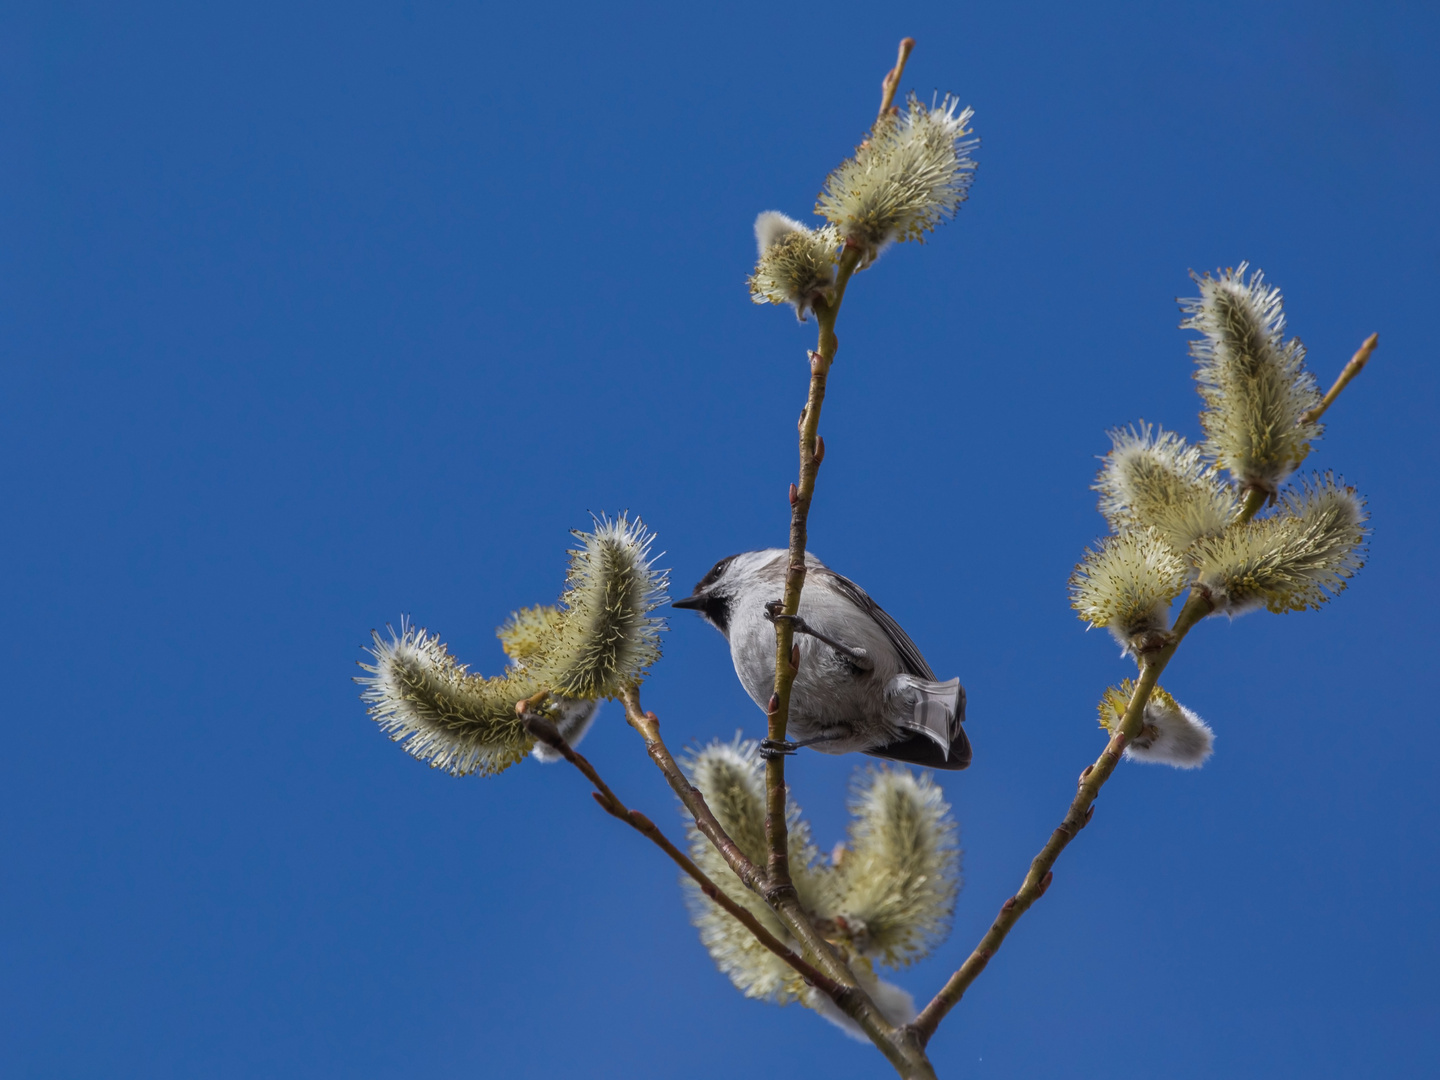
pixel 1041 868
pixel 1353 368
pixel 891 82
pixel 544 730
pixel 648 725
pixel 777 841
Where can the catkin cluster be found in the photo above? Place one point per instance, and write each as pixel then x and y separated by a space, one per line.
pixel 884 897
pixel 601 637
pixel 911 173
pixel 1176 518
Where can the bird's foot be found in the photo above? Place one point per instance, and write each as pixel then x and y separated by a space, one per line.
pixel 774 613
pixel 776 748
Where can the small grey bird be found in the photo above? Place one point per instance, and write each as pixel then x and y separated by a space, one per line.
pixel 862 686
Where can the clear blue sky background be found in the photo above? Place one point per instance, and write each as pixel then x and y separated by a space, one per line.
pixel 311 317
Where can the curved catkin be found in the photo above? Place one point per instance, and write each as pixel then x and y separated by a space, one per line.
pixel 607 637
pixel 1170 734
pixel 731 776
pixel 796 265
pixel 1254 383
pixel 425 700
pixel 912 173
pixel 1127 584
pixel 1295 559
pixel 895 887
pixel 1153 478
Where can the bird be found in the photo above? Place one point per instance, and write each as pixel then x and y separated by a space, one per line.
pixel 862 685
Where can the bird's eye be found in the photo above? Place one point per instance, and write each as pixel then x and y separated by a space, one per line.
pixel 714 575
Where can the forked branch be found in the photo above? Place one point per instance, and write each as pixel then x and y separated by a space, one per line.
pixel 544 730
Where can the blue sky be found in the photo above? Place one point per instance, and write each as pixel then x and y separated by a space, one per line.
pixel 311 317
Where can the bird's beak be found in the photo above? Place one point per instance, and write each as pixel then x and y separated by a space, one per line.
pixel 690 603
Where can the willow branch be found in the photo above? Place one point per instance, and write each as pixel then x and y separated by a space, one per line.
pixel 648 725
pixel 891 82
pixel 784 900
pixel 1354 367
pixel 812 451
pixel 1081 810
pixel 544 730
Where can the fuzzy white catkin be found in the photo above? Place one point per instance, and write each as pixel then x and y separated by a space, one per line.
pixel 1128 583
pixel 439 712
pixel 600 638
pixel 796 265
pixel 1295 559
pixel 731 777
pixel 896 885
pixel 890 898
pixel 1153 478
pixel 912 173
pixel 1254 383
pixel 1170 734
pixel 608 636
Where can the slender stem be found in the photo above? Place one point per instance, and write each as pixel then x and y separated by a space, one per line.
pixel 891 82
pixel 778 867
pixel 1041 867
pixel 546 732
pixel 1255 498
pixel 750 875
pixel 1353 368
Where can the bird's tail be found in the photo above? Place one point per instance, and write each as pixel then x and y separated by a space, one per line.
pixel 931 713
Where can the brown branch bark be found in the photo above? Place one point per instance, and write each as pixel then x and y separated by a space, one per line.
pixel 801 495
pixel 1081 809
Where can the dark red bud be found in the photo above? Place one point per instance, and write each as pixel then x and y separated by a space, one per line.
pixel 794 494
pixel 774 705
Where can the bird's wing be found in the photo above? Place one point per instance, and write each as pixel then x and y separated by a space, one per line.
pixel 913 663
